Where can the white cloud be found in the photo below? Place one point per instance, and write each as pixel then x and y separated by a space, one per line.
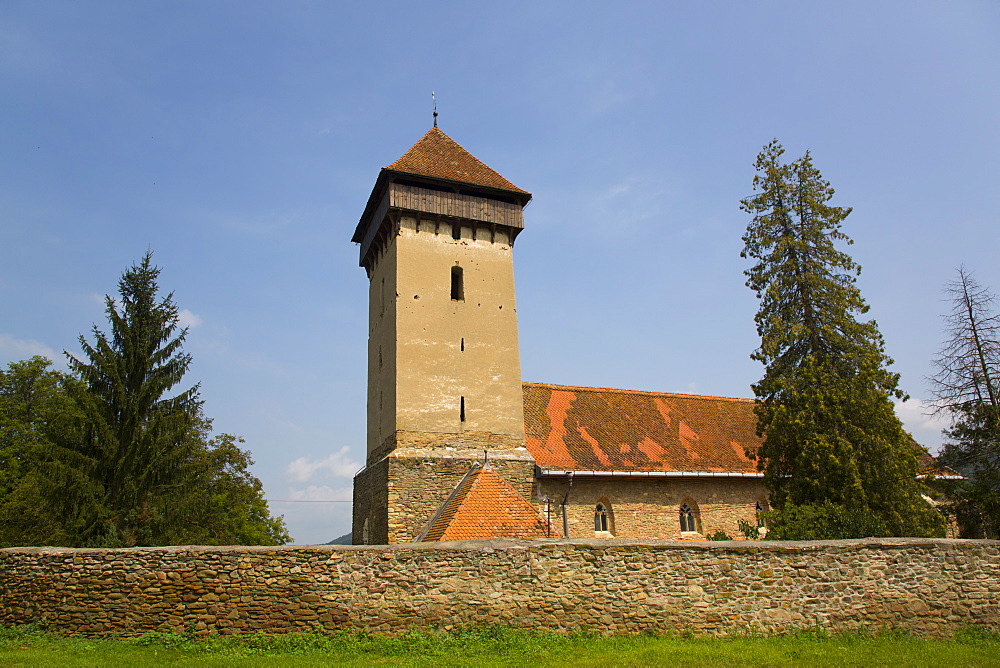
pixel 918 419
pixel 616 190
pixel 314 523
pixel 320 493
pixel 918 414
pixel 251 224
pixel 14 349
pixel 24 54
pixel 187 319
pixel 337 465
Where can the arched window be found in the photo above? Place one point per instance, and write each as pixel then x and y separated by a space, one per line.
pixel 688 522
pixel 601 518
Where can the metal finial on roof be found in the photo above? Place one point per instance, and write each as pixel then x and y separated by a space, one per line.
pixel 434 102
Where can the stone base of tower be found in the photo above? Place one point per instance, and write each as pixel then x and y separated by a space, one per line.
pixel 397 496
pixel 370 521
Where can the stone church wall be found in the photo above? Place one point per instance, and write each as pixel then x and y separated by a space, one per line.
pixel 928 586
pixel 649 507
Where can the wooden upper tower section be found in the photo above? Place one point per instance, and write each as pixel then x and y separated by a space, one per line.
pixel 438 177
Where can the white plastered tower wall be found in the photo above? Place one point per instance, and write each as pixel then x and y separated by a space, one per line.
pixel 381 405
pixel 449 351
pixel 444 373
pixel 430 355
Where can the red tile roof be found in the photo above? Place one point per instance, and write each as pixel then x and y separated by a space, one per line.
pixel 599 429
pixel 485 506
pixel 928 465
pixel 439 156
pixel 595 429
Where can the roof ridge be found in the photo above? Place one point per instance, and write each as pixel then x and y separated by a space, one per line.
pixel 582 388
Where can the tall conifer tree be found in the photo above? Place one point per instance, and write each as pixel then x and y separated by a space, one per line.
pixel 831 436
pixel 107 458
pixel 152 473
pixel 137 437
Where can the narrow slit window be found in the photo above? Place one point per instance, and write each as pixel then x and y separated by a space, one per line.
pixel 461 410
pixel 456 231
pixel 457 284
pixel 463 345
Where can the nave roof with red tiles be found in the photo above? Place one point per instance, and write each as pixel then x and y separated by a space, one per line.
pixel 600 429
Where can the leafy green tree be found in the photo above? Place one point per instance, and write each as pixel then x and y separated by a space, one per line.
pixel 220 503
pixel 967 388
pixel 830 433
pixel 37 415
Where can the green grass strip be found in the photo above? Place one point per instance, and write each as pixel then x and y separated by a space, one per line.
pixel 496 646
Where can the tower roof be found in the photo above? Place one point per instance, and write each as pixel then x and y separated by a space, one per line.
pixel 484 505
pixel 436 162
pixel 438 156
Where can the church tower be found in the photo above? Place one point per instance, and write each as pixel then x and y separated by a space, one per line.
pixel 444 372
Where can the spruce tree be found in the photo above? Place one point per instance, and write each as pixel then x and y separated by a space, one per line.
pixel 136 436
pixel 152 473
pixel 831 437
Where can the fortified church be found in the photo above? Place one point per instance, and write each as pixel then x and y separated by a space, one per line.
pixel 458 446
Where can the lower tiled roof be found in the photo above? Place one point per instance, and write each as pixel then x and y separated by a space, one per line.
pixel 484 505
pixel 598 429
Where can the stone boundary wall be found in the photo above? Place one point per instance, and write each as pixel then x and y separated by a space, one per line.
pixel 930 586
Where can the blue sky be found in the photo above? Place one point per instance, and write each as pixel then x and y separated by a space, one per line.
pixel 240 140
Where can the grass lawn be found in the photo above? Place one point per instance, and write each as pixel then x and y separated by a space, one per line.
pixel 30 646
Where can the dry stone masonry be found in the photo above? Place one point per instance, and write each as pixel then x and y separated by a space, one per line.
pixel 614 586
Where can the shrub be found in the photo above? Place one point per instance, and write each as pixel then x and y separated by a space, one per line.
pixel 826 521
pixel 749 529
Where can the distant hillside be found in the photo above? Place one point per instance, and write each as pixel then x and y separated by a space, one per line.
pixel 343 540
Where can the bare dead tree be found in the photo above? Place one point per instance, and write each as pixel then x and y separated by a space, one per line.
pixel 967 387
pixel 968 366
